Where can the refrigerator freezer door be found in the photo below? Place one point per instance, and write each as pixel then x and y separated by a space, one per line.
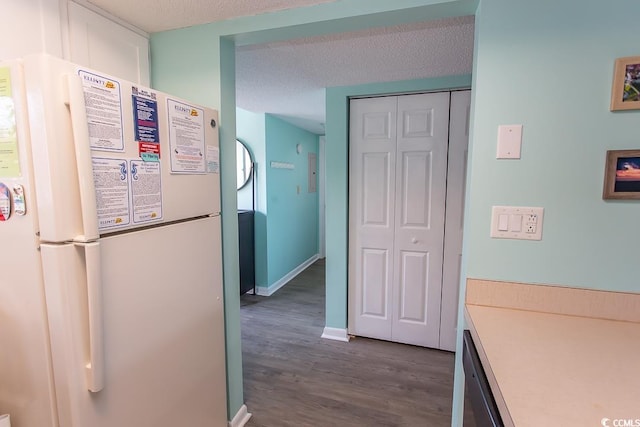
pixel 120 182
pixel 54 161
pixel 163 334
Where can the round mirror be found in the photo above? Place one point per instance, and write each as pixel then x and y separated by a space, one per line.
pixel 244 164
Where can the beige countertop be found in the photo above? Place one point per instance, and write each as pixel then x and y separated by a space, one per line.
pixel 550 369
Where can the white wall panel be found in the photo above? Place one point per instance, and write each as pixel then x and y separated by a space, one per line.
pixel 30 26
pixel 102 44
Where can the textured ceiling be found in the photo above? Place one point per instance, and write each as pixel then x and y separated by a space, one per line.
pixel 159 15
pixel 289 78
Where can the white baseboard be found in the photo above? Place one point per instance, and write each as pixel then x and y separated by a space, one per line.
pixel 267 292
pixel 336 334
pixel 241 418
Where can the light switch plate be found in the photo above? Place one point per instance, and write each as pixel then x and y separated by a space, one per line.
pixel 509 141
pixel 524 223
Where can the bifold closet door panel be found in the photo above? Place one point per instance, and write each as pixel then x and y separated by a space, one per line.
pixel 420 191
pixel 372 140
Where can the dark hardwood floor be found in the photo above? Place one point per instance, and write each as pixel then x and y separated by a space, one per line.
pixel 292 377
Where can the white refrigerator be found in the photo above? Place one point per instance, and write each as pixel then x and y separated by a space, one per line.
pixel 111 304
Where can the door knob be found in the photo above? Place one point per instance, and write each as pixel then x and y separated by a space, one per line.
pixel 414 240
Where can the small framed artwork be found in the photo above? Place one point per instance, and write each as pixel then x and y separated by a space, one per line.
pixel 625 92
pixel 622 175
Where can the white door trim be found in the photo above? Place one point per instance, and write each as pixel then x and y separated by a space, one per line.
pixel 456 181
pixel 321 197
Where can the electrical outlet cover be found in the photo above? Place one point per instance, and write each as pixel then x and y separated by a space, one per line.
pixel 531 228
pixel 509 141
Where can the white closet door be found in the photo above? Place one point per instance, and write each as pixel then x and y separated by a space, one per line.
pixel 372 186
pixel 456 180
pixel 421 183
pixel 398 167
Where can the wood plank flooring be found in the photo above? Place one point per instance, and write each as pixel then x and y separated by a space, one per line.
pixel 294 378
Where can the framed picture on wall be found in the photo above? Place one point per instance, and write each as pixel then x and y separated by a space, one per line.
pixel 622 175
pixel 625 92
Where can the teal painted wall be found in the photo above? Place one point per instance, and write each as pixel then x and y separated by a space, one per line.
pixel 548 65
pixel 561 96
pixel 188 73
pixel 286 222
pixel 227 73
pixel 335 17
pixel 292 219
pixel 337 198
pixel 196 63
pixel 250 129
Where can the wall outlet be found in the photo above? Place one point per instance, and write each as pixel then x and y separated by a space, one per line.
pixel 528 224
pixel 531 224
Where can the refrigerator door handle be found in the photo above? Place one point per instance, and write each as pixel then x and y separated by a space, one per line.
pixel 80 129
pixel 94 368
